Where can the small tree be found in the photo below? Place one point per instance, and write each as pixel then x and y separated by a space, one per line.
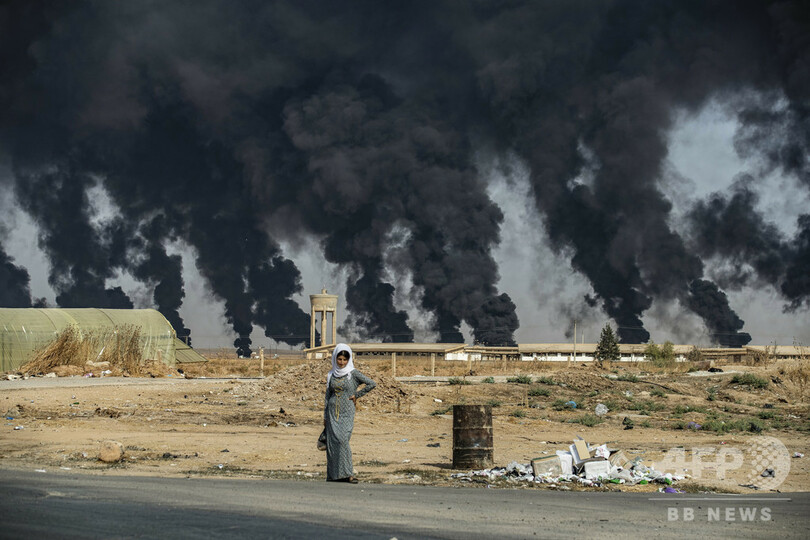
pixel 694 355
pixel 608 347
pixel 663 356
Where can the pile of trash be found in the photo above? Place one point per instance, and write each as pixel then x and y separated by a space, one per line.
pixel 581 464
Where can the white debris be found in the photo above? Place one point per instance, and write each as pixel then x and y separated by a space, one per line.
pixel 601 473
pixel 601 409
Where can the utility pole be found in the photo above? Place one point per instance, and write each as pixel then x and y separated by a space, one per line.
pixel 575 340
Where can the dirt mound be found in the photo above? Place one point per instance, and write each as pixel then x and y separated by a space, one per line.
pixel 582 380
pixel 308 382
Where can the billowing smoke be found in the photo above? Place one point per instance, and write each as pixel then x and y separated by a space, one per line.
pixel 155 266
pixel 731 228
pixel 82 256
pixel 230 127
pixel 14 290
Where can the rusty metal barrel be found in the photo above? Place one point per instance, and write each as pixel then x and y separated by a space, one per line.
pixel 472 436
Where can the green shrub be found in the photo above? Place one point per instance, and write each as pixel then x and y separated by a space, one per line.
pixel 458 380
pixel 661 357
pixel 751 425
pixel 646 405
pixel 628 377
pixel 749 379
pixel 546 380
pixel 588 420
pixel 520 379
pixel 489 380
pixel 658 393
pixel 755 426
pixel 494 403
pixel 445 410
pixel 681 409
pixel 518 413
pixel 712 394
pixel 718 426
pixel 560 404
pixel 537 391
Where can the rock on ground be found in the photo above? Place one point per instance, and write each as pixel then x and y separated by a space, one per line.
pixel 111 452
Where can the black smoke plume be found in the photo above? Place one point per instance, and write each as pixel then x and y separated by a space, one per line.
pixel 14 289
pixel 155 266
pixel 731 228
pixel 229 128
pixel 710 303
pixel 82 256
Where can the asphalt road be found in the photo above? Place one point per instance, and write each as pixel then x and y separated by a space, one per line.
pixel 59 504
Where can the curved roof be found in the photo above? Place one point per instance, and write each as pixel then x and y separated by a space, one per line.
pixel 25 330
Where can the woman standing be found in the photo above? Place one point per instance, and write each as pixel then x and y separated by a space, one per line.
pixel 342 393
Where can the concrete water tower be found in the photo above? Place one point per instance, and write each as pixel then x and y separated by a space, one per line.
pixel 323 303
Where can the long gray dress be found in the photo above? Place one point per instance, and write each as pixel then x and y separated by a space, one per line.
pixel 338 414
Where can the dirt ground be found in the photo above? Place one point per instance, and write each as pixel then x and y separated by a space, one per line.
pixel 267 427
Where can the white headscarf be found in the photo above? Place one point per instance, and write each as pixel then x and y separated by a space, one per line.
pixel 336 371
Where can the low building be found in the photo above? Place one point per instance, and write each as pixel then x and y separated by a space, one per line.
pixel 371 351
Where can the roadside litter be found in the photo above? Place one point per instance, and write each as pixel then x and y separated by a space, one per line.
pixel 601 409
pixel 582 464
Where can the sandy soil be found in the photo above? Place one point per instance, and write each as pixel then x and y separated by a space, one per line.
pixel 403 432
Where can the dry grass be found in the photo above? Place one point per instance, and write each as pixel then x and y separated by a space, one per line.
pixel 760 358
pixel 798 374
pixel 675 367
pixel 117 350
pixel 223 363
pixel 66 350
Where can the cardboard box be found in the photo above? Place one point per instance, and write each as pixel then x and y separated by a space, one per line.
pixel 566 461
pixel 547 465
pixel 597 468
pixel 580 452
pixel 619 459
